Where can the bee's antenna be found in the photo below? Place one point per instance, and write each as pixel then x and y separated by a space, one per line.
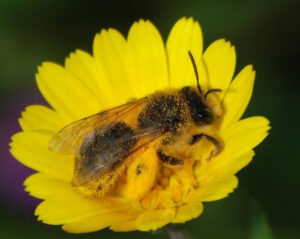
pixel 195 70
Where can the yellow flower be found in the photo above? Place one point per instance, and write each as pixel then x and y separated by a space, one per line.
pixel 121 69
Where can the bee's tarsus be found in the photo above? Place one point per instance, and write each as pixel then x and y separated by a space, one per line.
pixel 211 91
pixel 218 145
pixel 169 160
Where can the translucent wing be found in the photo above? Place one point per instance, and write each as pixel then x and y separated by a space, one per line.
pixel 69 139
pixel 109 155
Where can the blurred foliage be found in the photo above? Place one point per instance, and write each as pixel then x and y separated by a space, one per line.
pixel 259 227
pixel 265 34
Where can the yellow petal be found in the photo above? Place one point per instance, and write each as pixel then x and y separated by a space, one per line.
pixel 216 188
pixel 96 223
pixel 238 96
pixel 150 62
pixel 245 135
pixel 185 35
pixel 239 140
pixel 220 60
pixel 64 204
pixel 236 164
pixel 86 69
pixel 65 93
pixel 72 208
pixel 226 165
pixel 115 61
pixel 39 117
pixel 43 186
pixel 126 226
pixel 68 206
pixel 31 149
pixel 155 219
pixel 188 211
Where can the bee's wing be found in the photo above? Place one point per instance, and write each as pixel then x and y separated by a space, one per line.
pixel 101 165
pixel 68 139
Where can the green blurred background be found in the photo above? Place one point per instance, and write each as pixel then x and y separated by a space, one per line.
pixel 265 33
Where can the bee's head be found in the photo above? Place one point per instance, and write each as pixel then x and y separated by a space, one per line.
pixel 201 113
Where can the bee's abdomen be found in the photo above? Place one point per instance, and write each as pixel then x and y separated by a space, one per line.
pixel 166 112
pixel 106 147
pixel 107 138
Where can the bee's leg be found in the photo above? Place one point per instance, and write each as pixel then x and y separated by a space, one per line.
pixel 218 145
pixel 168 160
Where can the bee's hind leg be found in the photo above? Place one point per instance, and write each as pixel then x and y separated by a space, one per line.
pixel 218 145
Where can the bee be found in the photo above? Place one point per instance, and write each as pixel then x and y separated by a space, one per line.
pixel 104 143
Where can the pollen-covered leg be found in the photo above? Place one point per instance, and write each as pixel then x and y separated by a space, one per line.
pixel 218 145
pixel 141 173
pixel 168 160
pixel 100 187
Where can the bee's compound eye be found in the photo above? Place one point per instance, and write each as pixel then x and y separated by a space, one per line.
pixel 205 116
